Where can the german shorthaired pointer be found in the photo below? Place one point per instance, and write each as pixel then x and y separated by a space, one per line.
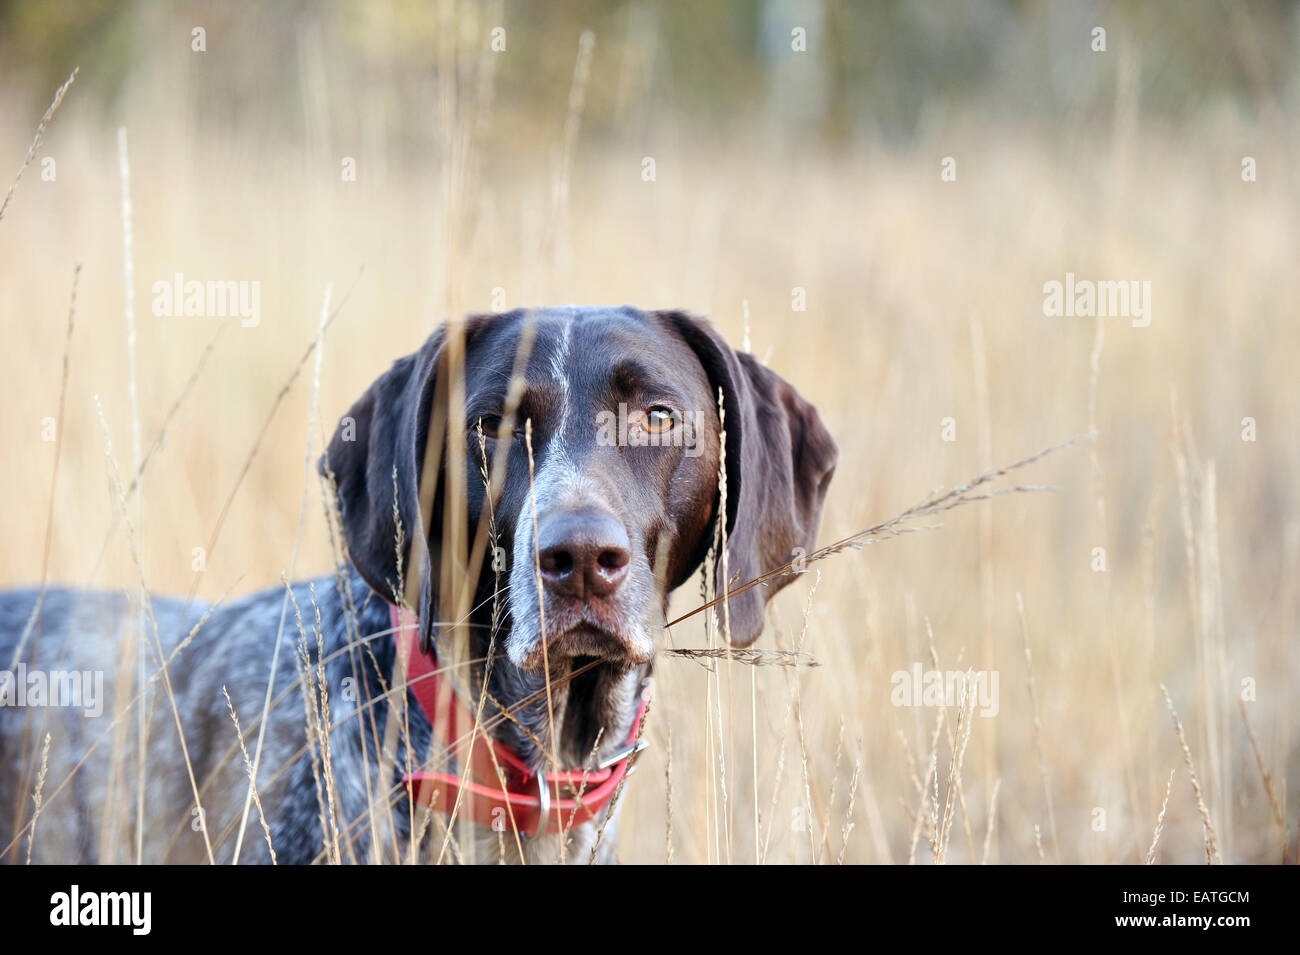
pixel 616 507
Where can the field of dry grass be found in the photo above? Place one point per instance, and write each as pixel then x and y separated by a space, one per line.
pixel 924 301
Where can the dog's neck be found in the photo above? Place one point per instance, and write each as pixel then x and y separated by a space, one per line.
pixel 586 715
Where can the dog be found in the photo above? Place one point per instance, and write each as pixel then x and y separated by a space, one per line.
pixel 632 444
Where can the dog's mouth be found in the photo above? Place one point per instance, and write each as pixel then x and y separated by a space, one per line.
pixel 584 641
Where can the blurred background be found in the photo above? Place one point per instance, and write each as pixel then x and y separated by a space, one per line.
pixel 870 197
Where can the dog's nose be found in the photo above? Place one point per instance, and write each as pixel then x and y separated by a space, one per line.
pixel 583 554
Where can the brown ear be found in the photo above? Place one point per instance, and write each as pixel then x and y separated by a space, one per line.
pixel 780 459
pixel 385 431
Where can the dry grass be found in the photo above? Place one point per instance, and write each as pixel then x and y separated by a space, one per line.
pixel 36 140
pixel 1160 821
pixel 924 303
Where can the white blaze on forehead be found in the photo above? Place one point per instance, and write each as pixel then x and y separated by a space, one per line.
pixel 560 356
pixel 559 359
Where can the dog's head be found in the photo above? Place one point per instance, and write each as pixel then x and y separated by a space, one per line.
pixel 618 505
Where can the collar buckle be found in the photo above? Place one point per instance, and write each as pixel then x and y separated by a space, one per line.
pixel 623 752
pixel 543 806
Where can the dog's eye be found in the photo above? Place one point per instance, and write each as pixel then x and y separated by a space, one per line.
pixel 660 419
pixel 492 426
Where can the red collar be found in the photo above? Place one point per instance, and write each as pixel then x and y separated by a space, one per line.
pixel 564 799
